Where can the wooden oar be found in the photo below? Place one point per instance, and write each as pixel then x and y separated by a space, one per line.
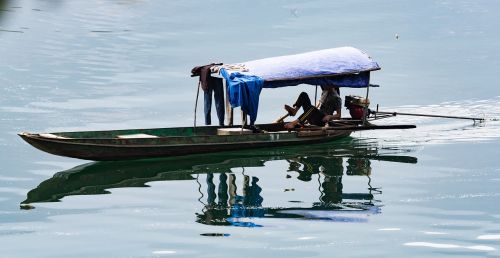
pixel 427 115
pixel 281 119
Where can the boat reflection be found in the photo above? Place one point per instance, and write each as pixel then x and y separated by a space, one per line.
pixel 222 202
pixel 3 8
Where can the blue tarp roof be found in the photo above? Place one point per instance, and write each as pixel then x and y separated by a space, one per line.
pixel 340 67
pixel 321 67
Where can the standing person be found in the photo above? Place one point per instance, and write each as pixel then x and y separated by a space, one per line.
pixel 329 103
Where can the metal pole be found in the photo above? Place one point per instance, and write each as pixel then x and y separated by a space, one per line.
pixel 316 96
pixel 427 115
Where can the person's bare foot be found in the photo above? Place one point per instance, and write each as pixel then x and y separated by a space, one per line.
pixel 289 126
pixel 291 111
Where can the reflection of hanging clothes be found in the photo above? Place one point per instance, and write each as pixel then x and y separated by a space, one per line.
pixel 213 213
pixel 253 200
pixel 252 197
pixel 215 86
pixel 211 189
pixel 222 190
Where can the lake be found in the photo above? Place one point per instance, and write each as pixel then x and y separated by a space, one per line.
pixel 95 65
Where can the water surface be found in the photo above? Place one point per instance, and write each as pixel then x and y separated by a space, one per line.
pixel 89 65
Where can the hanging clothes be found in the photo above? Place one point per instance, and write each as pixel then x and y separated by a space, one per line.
pixel 244 91
pixel 215 88
pixel 211 86
pixel 205 73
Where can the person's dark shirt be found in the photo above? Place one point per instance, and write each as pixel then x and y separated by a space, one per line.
pixel 330 102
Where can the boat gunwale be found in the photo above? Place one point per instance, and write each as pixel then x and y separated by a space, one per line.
pixel 284 131
pixel 37 135
pixel 68 142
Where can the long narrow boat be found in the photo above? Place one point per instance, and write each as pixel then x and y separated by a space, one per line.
pixel 337 67
pixel 165 142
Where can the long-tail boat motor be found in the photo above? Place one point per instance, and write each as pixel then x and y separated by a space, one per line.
pixel 356 105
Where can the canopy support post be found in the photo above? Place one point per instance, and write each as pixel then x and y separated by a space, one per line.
pixel 365 110
pixel 316 96
pixel 231 115
pixel 229 109
pixel 244 119
pixel 196 106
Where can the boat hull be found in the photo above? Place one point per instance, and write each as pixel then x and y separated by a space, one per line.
pixel 99 149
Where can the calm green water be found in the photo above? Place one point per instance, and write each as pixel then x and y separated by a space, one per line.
pixel 84 65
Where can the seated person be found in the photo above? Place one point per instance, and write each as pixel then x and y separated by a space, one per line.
pixel 329 103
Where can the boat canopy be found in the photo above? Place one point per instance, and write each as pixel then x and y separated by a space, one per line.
pixel 335 67
pixel 339 67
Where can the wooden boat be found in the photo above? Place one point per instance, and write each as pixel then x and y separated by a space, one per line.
pixel 342 67
pixel 165 142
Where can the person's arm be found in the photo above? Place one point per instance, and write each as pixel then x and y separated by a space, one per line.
pixel 329 118
pixel 338 113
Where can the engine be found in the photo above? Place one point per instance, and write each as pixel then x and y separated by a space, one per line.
pixel 356 105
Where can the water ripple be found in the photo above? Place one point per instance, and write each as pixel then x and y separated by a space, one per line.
pixel 489 237
pixel 440 130
pixel 450 246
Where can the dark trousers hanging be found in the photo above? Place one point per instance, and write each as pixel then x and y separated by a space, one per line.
pixel 215 88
